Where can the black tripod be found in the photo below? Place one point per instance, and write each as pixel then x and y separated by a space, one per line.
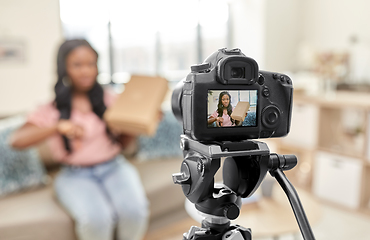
pixel 245 166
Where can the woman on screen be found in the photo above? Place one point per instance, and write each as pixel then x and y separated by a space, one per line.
pixel 221 116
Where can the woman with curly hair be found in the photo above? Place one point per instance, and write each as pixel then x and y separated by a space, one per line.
pixel 98 187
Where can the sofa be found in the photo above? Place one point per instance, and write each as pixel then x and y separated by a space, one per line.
pixel 32 211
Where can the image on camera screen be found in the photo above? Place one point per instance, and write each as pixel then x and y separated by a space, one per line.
pixel 232 108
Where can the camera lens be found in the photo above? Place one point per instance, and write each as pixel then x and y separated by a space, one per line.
pixel 237 72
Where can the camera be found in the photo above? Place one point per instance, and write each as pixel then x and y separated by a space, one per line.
pixel 223 103
pixel 227 98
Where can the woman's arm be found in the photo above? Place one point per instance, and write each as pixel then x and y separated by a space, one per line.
pixel 218 120
pixel 30 134
pixel 211 119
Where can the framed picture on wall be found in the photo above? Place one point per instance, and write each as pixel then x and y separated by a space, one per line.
pixel 12 51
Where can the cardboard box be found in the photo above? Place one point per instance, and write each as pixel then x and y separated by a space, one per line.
pixel 240 110
pixel 137 109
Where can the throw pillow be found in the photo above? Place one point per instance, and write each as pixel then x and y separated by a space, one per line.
pixel 250 119
pixel 19 169
pixel 165 143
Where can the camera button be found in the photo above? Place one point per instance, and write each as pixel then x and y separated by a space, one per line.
pixel 271 117
pixel 261 79
pixel 266 92
pixel 275 76
pixel 282 78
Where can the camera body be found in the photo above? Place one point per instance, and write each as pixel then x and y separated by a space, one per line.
pixel 206 102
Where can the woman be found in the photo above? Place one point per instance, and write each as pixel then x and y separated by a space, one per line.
pixel 222 115
pixel 97 186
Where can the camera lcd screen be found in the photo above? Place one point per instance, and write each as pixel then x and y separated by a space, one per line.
pixel 232 108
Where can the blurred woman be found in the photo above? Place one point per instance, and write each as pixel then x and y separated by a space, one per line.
pixel 98 187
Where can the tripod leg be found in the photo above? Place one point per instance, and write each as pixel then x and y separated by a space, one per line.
pixel 293 197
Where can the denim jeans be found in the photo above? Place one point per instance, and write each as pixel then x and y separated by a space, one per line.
pixel 104 198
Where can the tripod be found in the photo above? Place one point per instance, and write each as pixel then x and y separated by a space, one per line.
pixel 245 166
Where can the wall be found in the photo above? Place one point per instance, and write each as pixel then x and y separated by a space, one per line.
pixel 268 31
pixel 37 24
pixel 328 24
pixel 282 34
pixel 277 33
pixel 248 28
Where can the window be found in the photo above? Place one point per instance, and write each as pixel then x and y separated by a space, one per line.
pixel 160 37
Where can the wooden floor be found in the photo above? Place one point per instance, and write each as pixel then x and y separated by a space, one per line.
pixel 266 212
pixel 336 223
pixel 173 231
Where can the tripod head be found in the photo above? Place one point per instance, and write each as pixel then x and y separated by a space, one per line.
pixel 245 166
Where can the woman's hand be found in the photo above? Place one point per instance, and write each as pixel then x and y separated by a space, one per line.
pixel 69 129
pixel 220 119
pixel 125 140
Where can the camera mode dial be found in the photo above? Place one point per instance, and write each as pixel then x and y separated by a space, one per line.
pixel 231 51
pixel 199 68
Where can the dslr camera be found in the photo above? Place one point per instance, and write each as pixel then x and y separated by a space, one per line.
pixel 227 98
pixel 223 103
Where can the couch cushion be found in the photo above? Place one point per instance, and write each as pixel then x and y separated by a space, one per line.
pixel 164 196
pixel 34 215
pixel 37 215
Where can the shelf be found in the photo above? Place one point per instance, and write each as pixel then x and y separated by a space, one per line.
pixel 343 131
pixel 365 210
pixel 338 130
pixel 300 175
pixel 339 100
pixel 365 202
pixel 350 155
pixel 292 147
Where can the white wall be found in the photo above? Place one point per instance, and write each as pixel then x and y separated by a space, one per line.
pixel 268 31
pixel 282 34
pixel 248 28
pixel 328 24
pixel 37 24
pixel 275 33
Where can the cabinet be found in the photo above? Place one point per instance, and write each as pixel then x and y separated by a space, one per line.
pixel 303 132
pixel 331 138
pixel 337 179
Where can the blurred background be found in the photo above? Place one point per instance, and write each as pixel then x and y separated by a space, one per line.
pixel 323 45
